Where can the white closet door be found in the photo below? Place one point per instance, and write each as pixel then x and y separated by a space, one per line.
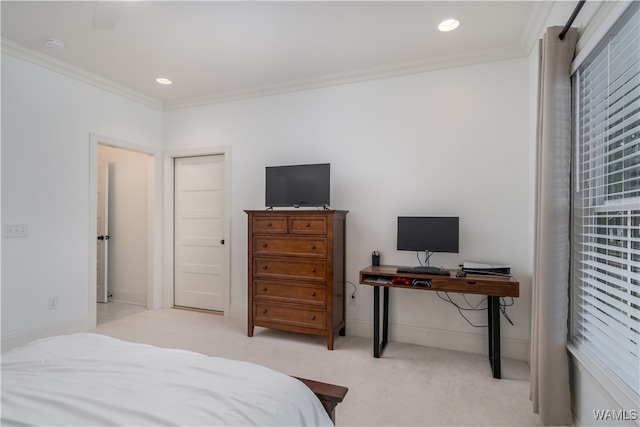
pixel 200 273
pixel 102 231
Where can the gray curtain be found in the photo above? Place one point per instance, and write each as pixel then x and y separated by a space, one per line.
pixel 549 362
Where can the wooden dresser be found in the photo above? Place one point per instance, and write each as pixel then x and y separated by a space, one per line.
pixel 297 271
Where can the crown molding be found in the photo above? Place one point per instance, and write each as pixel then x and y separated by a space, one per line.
pixel 347 77
pixel 14 49
pixel 355 76
pixel 535 24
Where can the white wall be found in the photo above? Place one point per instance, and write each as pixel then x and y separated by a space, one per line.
pixel 46 123
pixel 128 224
pixel 451 142
pixel 457 142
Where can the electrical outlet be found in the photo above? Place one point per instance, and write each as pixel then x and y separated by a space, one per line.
pixel 352 299
pixel 53 303
pixel 16 230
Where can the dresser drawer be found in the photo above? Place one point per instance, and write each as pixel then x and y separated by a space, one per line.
pixel 290 292
pixel 308 225
pixel 290 315
pixel 474 284
pixel 290 246
pixel 301 269
pixel 269 224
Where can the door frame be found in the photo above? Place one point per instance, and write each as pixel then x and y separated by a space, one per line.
pixel 154 223
pixel 169 223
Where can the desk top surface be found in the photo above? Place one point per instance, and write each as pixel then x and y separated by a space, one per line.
pixel 471 283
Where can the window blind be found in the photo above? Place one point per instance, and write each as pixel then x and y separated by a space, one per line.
pixel 606 202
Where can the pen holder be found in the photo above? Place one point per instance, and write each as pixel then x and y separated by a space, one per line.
pixel 375 259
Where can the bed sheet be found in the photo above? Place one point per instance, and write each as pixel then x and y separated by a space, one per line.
pixel 89 379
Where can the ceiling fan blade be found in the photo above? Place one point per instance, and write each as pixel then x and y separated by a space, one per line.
pixel 106 14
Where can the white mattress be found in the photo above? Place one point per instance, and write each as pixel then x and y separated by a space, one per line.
pixel 89 379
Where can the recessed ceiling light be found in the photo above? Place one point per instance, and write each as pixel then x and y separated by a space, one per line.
pixel 448 25
pixel 163 81
pixel 54 44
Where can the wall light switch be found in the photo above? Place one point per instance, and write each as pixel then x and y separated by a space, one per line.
pixel 16 230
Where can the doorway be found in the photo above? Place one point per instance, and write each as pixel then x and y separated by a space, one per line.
pixel 200 268
pixel 126 215
pixel 137 280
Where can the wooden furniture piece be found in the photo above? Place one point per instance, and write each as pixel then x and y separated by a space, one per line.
pixel 493 287
pixel 297 271
pixel 328 394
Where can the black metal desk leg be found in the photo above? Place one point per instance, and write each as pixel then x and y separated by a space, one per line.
pixel 493 317
pixel 376 321
pixel 378 345
pixel 385 318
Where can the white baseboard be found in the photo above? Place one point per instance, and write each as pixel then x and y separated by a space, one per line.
pixel 442 338
pixel 439 338
pixel 68 327
pixel 123 295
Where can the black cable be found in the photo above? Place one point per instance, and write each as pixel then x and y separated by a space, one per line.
pixel 504 313
pixel 355 289
pixel 427 256
pixel 504 304
pixel 573 16
pixel 461 309
pixel 476 306
pixel 502 308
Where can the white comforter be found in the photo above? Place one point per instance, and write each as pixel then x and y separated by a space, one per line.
pixel 89 379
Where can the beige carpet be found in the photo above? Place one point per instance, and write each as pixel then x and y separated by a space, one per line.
pixel 409 385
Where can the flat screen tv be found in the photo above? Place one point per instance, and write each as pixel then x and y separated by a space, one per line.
pixel 428 233
pixel 298 185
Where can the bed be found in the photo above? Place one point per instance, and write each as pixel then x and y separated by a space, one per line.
pixel 90 379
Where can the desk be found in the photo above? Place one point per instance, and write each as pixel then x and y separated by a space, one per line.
pixel 493 287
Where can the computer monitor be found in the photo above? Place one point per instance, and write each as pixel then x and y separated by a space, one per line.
pixel 428 233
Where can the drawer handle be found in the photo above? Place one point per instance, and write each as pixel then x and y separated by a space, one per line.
pixel 307 225
pixel 264 311
pixel 264 245
pixel 264 289
pixel 268 224
pixel 264 267
pixel 313 317
pixel 313 294
pixel 313 246
pixel 471 283
pixel 313 270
